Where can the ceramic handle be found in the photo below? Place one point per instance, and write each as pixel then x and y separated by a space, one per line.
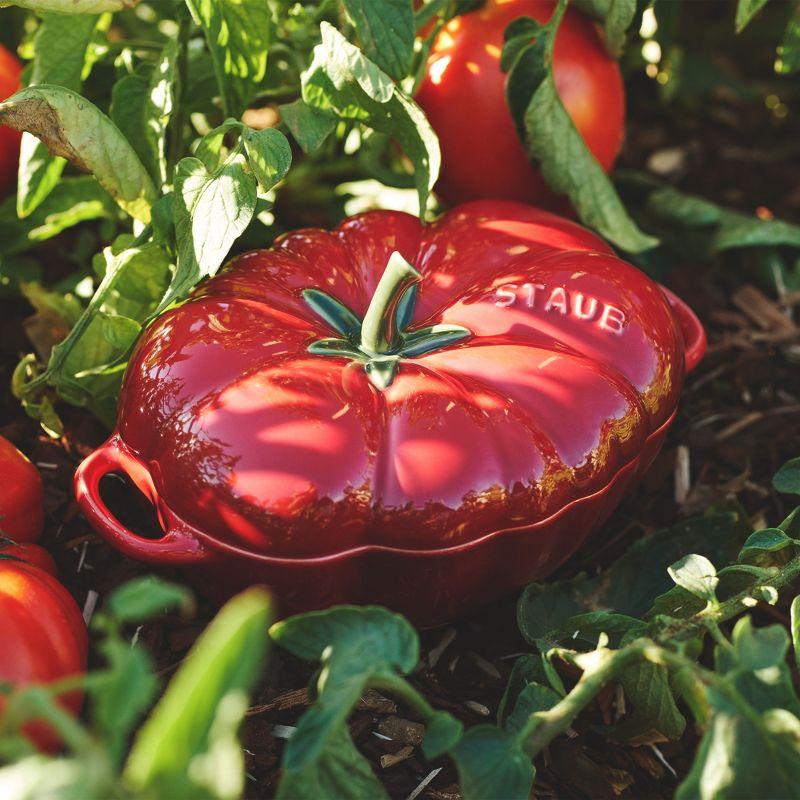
pixel 694 336
pixel 177 545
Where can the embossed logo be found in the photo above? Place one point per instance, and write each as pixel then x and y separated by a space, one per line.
pixel 557 300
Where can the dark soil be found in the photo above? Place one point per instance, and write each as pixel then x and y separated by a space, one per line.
pixel 739 421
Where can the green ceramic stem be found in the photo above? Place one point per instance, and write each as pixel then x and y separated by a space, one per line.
pixel 379 331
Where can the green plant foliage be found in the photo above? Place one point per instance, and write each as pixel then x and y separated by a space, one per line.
pixel 60 57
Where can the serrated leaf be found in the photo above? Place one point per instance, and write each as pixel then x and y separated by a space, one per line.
pixel 310 126
pixel 211 211
pixel 356 645
pixel 341 79
pixel 269 155
pixel 141 108
pixel 491 763
pixel 77 130
pixel 745 11
pixel 550 137
pixel 81 368
pixel 223 663
pixel 59 57
pixel 386 31
pixel 697 575
pixel 238 33
pixel 787 478
pixel 615 16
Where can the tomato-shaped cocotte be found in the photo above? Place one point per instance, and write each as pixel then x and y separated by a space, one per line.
pixel 463 96
pixel 42 633
pixel 21 496
pixel 10 70
pixel 421 416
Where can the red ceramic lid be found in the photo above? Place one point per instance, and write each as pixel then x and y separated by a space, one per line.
pixel 573 358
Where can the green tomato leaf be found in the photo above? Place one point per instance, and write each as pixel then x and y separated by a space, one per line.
pixel 534 697
pixel 72 201
pixel 211 211
pixel 697 575
pixel 220 669
pixel 356 646
pixel 342 80
pixel 441 734
pixel 142 598
pixel 238 33
pixel 121 693
pixel 59 57
pixel 310 126
pixel 767 548
pixel 142 109
pixel 655 715
pixel 491 763
pixel 386 31
pixel 745 11
pixel 795 627
pixel 550 137
pixel 71 6
pixel 725 766
pixel 789 49
pixel 631 584
pixel 759 648
pixel 76 129
pixel 340 772
pixel 86 368
pixel 615 16
pixel 787 478
pixel 269 155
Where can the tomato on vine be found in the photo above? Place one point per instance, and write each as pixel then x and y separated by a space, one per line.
pixel 21 496
pixel 10 70
pixel 43 634
pixel 463 96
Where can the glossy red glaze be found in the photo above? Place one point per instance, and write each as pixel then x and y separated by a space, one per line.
pixel 21 496
pixel 10 70
pixel 483 466
pixel 463 96
pixel 43 637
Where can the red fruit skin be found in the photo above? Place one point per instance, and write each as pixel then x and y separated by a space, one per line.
pixel 483 466
pixel 31 554
pixel 44 638
pixel 463 96
pixel 10 70
pixel 21 496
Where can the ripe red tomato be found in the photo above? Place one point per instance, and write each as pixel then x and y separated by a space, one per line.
pixel 21 495
pixel 463 95
pixel 10 70
pixel 43 637
pixel 32 554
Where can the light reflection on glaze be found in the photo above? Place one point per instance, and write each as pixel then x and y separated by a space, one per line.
pixel 258 443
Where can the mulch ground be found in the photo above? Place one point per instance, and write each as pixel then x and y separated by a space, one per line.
pixel 739 421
